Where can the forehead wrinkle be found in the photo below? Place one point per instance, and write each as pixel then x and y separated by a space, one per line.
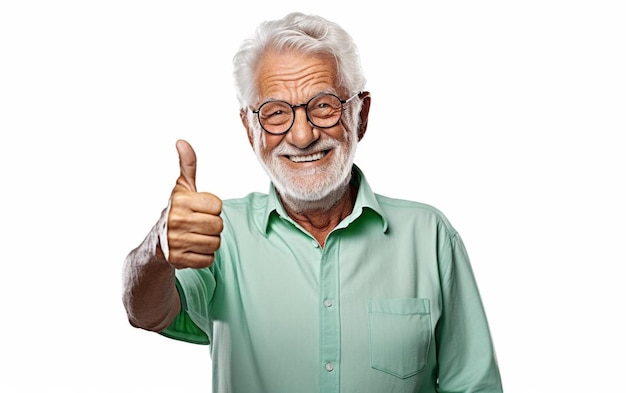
pixel 293 79
pixel 307 83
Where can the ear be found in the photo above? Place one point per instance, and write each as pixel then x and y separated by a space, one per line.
pixel 365 111
pixel 244 120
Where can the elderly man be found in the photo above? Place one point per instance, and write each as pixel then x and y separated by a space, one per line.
pixel 319 285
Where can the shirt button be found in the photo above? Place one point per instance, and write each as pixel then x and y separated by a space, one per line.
pixel 329 367
pixel 315 243
pixel 328 303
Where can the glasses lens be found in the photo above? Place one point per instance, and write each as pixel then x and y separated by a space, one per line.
pixel 324 111
pixel 275 116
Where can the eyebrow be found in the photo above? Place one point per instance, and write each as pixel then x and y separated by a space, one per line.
pixel 324 91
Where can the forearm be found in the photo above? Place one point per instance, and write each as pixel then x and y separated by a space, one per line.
pixel 150 296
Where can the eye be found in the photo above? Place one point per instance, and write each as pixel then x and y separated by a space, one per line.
pixel 277 108
pixel 277 112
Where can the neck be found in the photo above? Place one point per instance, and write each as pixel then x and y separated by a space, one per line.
pixel 319 218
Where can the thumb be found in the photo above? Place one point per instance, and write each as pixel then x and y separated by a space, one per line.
pixel 187 161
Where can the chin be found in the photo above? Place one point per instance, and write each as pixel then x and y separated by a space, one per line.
pixel 319 190
pixel 314 186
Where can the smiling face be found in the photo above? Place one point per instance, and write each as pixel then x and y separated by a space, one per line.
pixel 307 165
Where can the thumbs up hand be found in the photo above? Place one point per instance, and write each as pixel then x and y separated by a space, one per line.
pixel 194 223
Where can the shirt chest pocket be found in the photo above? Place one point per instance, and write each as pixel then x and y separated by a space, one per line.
pixel 399 335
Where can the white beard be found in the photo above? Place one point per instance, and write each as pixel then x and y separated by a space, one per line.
pixel 315 188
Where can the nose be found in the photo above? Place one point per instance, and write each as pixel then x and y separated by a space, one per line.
pixel 302 132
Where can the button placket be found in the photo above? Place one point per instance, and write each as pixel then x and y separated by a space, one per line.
pixel 330 327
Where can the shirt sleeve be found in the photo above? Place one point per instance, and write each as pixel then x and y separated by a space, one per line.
pixel 192 324
pixel 465 352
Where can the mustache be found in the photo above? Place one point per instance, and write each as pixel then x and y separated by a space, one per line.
pixel 285 149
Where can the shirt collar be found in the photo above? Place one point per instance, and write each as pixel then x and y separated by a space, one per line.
pixel 366 199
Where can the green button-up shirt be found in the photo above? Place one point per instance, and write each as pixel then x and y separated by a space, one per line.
pixel 389 304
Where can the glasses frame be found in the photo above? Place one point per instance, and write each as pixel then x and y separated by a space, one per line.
pixel 306 111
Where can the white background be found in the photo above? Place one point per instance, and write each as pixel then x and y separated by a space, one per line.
pixel 507 116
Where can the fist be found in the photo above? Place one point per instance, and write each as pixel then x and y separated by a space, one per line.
pixel 194 223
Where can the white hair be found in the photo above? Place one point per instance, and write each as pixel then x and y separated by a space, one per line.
pixel 307 34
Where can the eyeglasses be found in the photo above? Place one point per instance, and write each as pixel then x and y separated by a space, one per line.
pixel 323 111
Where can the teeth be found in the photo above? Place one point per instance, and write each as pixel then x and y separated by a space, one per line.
pixel 310 157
